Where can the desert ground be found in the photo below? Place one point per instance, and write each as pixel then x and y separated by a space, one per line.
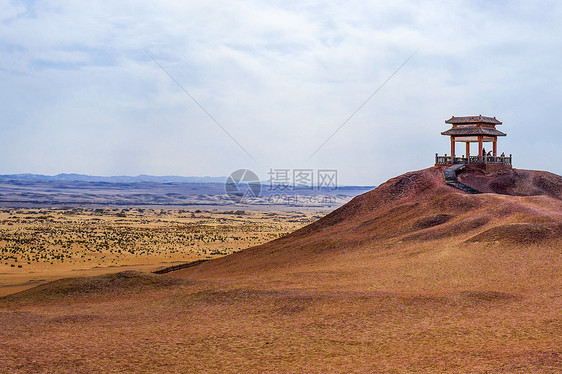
pixel 414 276
pixel 40 245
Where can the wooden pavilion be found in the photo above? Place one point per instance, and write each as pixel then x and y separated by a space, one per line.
pixel 474 129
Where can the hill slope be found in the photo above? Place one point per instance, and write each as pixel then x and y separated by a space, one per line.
pixel 409 213
pixel 414 276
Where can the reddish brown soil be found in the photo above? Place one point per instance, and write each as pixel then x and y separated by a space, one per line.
pixel 416 206
pixel 515 182
pixel 414 276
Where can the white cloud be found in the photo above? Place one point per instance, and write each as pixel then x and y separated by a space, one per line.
pixel 10 10
pixel 279 76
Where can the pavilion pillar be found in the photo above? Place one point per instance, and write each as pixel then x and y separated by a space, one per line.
pixel 480 146
pixel 468 152
pixel 495 147
pixel 452 149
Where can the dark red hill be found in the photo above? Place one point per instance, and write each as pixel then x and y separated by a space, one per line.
pixel 519 207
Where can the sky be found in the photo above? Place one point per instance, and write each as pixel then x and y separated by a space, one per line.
pixel 202 88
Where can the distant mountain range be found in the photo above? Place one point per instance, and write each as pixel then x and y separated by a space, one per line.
pixel 114 179
pixel 35 190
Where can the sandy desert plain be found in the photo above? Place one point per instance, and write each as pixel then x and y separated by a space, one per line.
pixel 38 245
pixel 413 276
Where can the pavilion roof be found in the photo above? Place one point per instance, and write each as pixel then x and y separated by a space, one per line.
pixel 473 119
pixel 473 130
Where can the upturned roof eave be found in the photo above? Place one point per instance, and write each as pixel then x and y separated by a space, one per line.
pixel 472 120
pixel 452 132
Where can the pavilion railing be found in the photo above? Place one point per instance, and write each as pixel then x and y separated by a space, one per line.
pixel 447 160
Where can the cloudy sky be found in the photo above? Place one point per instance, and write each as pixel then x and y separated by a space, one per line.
pixel 80 92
